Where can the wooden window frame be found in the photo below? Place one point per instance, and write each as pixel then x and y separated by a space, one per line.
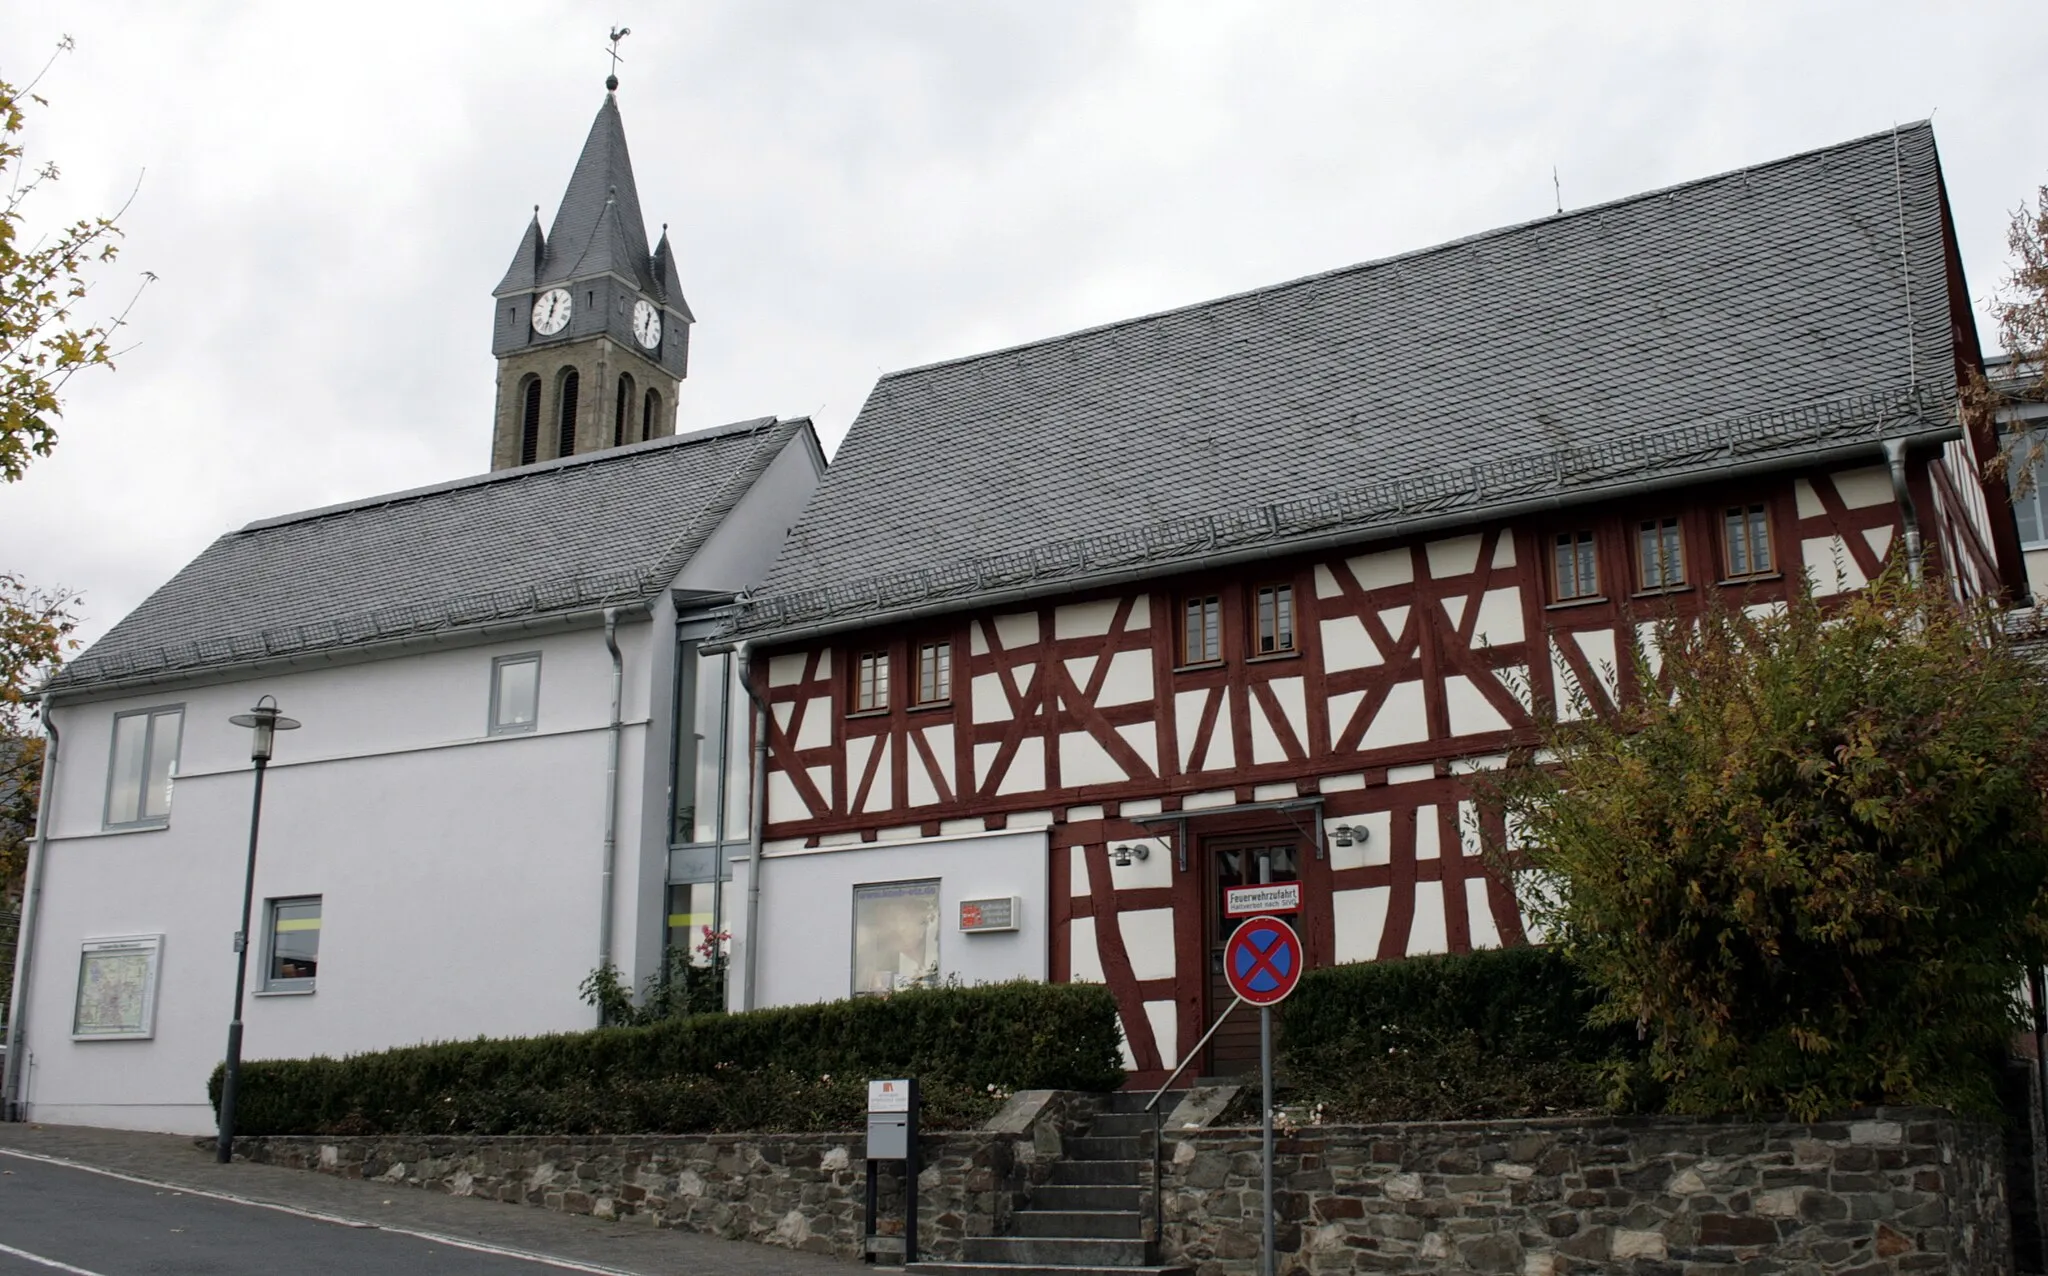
pixel 1750 510
pixel 1670 583
pixel 876 689
pixel 1283 592
pixel 1586 536
pixel 942 690
pixel 1211 632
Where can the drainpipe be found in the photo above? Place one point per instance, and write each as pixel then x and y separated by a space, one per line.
pixel 25 939
pixel 1895 456
pixel 611 790
pixel 758 806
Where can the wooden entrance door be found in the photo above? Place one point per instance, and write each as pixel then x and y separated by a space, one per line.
pixel 1234 1050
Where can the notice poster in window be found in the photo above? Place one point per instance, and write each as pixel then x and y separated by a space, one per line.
pixel 117 988
pixel 895 937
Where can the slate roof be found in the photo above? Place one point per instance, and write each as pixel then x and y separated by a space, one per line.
pixel 1760 312
pixel 612 528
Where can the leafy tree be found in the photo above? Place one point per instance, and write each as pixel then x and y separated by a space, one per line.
pixel 2020 309
pixel 1812 872
pixel 43 344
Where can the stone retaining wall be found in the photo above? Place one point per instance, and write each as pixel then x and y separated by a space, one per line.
pixel 802 1191
pixel 1890 1192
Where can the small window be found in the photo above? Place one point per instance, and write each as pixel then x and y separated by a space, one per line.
pixel 565 432
pixel 622 408
pixel 934 672
pixel 2029 507
pixel 1662 551
pixel 293 955
pixel 1201 634
pixel 1276 619
pixel 515 693
pixel 1749 541
pixel 650 412
pixel 895 937
pixel 871 681
pixel 1576 566
pixel 144 762
pixel 529 421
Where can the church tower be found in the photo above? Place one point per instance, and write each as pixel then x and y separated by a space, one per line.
pixel 591 331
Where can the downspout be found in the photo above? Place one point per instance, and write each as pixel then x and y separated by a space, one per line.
pixel 758 813
pixel 1895 456
pixel 611 791
pixel 25 939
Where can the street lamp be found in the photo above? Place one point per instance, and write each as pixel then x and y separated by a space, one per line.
pixel 267 722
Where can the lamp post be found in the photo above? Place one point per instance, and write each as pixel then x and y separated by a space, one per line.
pixel 267 722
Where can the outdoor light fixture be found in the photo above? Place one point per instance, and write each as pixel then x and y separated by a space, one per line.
pixel 1350 834
pixel 1123 855
pixel 267 722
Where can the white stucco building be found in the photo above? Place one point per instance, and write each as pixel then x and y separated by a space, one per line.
pixel 439 837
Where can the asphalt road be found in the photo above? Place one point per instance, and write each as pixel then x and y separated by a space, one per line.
pixel 60 1219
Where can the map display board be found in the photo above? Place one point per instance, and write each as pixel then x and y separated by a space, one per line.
pixel 117 988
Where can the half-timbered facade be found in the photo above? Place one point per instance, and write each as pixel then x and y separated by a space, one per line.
pixel 1085 629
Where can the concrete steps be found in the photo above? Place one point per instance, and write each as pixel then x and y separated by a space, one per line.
pixel 1087 1218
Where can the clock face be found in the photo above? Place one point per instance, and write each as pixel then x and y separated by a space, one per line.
pixel 646 324
pixel 551 312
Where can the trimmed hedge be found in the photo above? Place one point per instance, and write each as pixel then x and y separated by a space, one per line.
pixel 1528 1002
pixel 790 1068
pixel 1501 1032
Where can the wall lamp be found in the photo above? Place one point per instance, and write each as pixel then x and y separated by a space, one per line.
pixel 1122 856
pixel 1350 834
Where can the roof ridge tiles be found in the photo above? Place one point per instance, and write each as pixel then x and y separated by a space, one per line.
pixel 514 475
pixel 1473 241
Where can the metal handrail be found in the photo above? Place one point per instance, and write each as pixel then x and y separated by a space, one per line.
pixel 1158 1127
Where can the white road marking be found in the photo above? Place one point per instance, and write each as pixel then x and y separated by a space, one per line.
pixel 47 1262
pixel 480 1247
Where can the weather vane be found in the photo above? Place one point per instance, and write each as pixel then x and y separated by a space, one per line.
pixel 611 82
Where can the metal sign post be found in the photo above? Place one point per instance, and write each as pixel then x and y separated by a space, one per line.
pixel 1262 964
pixel 892 1136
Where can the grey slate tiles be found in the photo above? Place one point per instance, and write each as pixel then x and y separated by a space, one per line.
pixel 1780 307
pixel 614 527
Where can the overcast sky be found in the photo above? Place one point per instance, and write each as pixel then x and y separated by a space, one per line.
pixel 331 192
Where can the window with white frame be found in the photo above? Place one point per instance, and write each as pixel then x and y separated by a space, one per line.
pixel 145 758
pixel 291 957
pixel 515 693
pixel 2029 499
pixel 895 936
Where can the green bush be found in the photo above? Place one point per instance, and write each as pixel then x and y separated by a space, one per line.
pixel 1812 867
pixel 791 1068
pixel 1526 1002
pixel 1503 1032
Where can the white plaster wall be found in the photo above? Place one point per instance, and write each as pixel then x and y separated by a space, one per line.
pixel 806 952
pixel 459 872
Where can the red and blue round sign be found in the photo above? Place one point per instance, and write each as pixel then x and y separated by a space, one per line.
pixel 1263 961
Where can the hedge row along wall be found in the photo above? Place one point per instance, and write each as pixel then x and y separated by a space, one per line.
pixel 1484 1035
pixel 792 1068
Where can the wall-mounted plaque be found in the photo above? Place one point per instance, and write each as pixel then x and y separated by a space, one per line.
pixel 981 916
pixel 117 988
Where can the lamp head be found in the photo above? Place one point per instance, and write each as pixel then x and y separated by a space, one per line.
pixel 1123 855
pixel 266 721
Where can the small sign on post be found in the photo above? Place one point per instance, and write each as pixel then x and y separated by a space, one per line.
pixel 1262 964
pixel 892 1136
